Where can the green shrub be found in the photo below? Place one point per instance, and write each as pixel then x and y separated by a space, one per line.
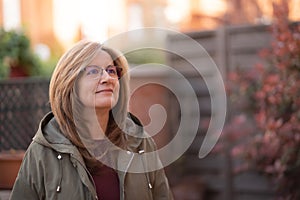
pixel 15 51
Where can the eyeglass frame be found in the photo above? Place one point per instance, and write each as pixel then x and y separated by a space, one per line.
pixel 101 71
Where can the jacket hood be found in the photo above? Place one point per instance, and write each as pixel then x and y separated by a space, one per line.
pixel 50 135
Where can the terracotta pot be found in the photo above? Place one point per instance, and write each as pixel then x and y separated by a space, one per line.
pixel 9 167
pixel 16 72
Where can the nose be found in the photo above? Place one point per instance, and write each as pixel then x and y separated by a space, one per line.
pixel 104 77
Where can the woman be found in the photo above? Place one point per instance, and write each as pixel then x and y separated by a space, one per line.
pixel 89 147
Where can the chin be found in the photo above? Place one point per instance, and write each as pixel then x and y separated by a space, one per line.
pixel 104 105
pixel 105 102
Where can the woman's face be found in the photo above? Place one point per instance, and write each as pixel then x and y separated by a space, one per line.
pixel 96 90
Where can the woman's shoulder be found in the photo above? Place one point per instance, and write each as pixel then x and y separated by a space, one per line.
pixel 37 151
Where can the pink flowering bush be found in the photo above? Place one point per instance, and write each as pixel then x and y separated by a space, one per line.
pixel 265 122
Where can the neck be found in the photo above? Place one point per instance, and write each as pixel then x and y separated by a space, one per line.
pixel 102 118
pixel 101 122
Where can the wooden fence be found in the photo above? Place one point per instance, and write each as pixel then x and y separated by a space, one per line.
pixel 229 48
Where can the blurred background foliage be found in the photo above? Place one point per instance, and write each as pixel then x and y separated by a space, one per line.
pixel 16 53
pixel 144 56
pixel 264 127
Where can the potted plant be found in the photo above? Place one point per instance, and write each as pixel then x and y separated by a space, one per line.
pixel 16 60
pixel 16 57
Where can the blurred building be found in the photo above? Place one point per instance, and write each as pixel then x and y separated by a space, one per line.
pixel 59 23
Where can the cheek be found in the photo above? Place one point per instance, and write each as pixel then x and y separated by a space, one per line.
pixel 85 91
pixel 117 92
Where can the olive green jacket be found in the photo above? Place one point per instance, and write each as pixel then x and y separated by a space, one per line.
pixel 53 168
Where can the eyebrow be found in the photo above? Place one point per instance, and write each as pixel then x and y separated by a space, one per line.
pixel 109 65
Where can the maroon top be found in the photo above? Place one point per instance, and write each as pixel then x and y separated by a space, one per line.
pixel 107 183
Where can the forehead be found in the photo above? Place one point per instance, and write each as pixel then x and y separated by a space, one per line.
pixel 102 58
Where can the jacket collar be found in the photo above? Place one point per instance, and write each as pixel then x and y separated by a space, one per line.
pixel 50 135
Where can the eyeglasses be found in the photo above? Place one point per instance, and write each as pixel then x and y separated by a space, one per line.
pixel 95 72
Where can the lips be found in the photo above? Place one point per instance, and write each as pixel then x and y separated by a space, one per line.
pixel 104 90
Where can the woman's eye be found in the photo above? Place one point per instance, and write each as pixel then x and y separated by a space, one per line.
pixel 112 71
pixel 93 71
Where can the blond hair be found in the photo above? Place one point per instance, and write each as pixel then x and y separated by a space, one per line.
pixel 62 92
